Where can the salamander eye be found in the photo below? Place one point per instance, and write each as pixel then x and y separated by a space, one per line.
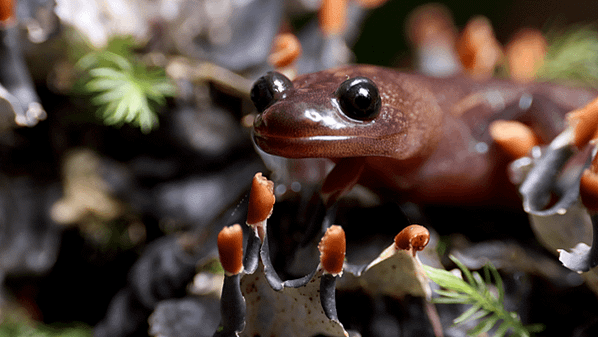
pixel 269 89
pixel 359 98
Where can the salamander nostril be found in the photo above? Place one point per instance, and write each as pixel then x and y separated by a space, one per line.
pixel 269 89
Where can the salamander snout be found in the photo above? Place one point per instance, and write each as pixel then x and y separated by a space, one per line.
pixel 269 89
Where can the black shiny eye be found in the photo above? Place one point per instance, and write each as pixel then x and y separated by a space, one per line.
pixel 359 98
pixel 268 89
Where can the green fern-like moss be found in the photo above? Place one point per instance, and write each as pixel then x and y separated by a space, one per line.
pixel 486 305
pixel 123 89
pixel 572 55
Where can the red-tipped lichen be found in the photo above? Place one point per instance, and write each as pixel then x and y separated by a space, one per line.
pixel 7 8
pixel 285 51
pixel 478 48
pixel 585 123
pixel 332 250
pixel 513 137
pixel 261 199
pixel 525 54
pixel 413 238
pixel 230 249
pixel 371 3
pixel 333 16
pixel 430 23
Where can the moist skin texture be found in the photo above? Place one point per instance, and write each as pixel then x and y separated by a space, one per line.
pixel 429 143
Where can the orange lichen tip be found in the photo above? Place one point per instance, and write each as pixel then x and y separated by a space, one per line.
pixel 230 249
pixel 514 138
pixel 285 51
pixel 332 250
pixel 525 54
pixel 585 123
pixel 371 3
pixel 7 10
pixel 413 238
pixel 478 49
pixel 261 199
pixel 588 187
pixel 430 22
pixel 333 15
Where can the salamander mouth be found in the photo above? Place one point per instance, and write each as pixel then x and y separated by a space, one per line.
pixel 306 147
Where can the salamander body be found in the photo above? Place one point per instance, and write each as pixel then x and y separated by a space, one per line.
pixel 426 139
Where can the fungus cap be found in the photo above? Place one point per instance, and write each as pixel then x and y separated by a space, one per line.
pixel 513 137
pixel 332 249
pixel 333 16
pixel 414 237
pixel 261 199
pixel 7 10
pixel 525 54
pixel 585 123
pixel 285 51
pixel 478 48
pixel 230 249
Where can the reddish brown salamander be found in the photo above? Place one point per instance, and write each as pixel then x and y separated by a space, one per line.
pixel 425 138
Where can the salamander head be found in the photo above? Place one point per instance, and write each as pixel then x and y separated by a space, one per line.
pixel 353 111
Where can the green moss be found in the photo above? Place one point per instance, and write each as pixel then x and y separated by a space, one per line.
pixel 486 300
pixel 123 88
pixel 572 55
pixel 27 328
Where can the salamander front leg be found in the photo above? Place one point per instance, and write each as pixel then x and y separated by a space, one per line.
pixel 341 179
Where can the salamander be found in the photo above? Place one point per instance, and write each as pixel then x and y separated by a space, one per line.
pixel 424 139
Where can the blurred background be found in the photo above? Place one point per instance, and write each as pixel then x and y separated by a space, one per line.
pixel 125 146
